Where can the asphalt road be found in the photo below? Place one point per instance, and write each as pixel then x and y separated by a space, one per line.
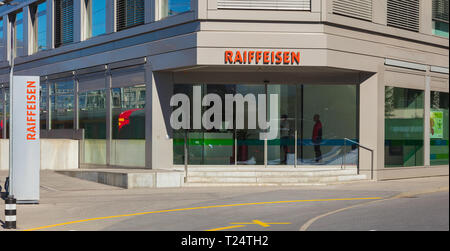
pixel 421 212
pixel 70 204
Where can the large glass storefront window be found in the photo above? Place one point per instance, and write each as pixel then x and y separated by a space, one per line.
pixel 43 105
pixel 317 117
pixel 327 116
pixel 404 121
pixel 92 118
pixel 439 129
pixel 62 104
pixel 281 150
pixel 250 149
pixel 128 126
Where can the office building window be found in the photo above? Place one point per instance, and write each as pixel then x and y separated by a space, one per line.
pixel 440 17
pixel 404 121
pixel 62 104
pixel 439 128
pixel 64 17
pixel 130 13
pixel 2 41
pixel 17 21
pixel 174 7
pixel 95 18
pixel 39 19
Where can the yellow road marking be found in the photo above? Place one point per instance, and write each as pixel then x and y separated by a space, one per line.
pixel 262 224
pixel 196 208
pixel 225 228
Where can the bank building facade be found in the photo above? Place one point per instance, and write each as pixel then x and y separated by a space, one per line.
pixel 362 88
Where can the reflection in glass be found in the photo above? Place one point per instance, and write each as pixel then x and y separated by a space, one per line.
pixel 2 38
pixel 95 17
pixel 281 151
pixel 326 115
pixel 250 149
pixel 129 13
pixel 41 27
pixel 318 116
pixel 43 105
pixel 179 136
pixel 128 126
pixel 174 7
pixel 218 144
pixel 64 22
pixel 92 116
pixel 62 104
pixel 404 112
pixel 18 42
pixel 439 128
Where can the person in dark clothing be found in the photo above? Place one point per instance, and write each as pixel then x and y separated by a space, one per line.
pixel 317 137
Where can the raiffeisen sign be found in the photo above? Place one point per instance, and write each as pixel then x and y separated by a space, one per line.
pixel 26 154
pixel 259 57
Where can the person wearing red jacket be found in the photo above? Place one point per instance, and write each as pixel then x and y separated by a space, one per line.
pixel 317 137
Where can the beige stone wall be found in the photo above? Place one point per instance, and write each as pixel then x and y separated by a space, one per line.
pixel 56 154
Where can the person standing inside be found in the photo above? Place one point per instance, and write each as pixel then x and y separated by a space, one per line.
pixel 285 132
pixel 317 137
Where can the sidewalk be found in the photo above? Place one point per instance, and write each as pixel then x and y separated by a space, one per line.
pixel 66 199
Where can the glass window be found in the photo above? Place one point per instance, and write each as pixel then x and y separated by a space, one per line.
pixel 128 126
pixel 404 112
pixel 250 149
pixel 62 104
pixel 40 26
pixel 95 18
pixel 440 17
pixel 218 144
pixel 281 150
pixel 43 105
pixel 2 38
pixel 130 13
pixel 327 114
pixel 18 31
pixel 309 113
pixel 64 17
pixel 179 136
pixel 1 30
pixel 174 7
pixel 440 28
pixel 92 118
pixel 439 128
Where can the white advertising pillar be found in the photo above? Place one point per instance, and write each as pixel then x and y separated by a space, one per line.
pixel 24 176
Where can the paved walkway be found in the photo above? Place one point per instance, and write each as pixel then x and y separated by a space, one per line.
pixel 65 199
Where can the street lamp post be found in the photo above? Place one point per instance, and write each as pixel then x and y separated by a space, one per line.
pixel 11 73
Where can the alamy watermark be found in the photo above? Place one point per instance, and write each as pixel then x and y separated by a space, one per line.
pixel 212 117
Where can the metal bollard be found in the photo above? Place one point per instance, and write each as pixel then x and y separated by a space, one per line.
pixel 10 213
